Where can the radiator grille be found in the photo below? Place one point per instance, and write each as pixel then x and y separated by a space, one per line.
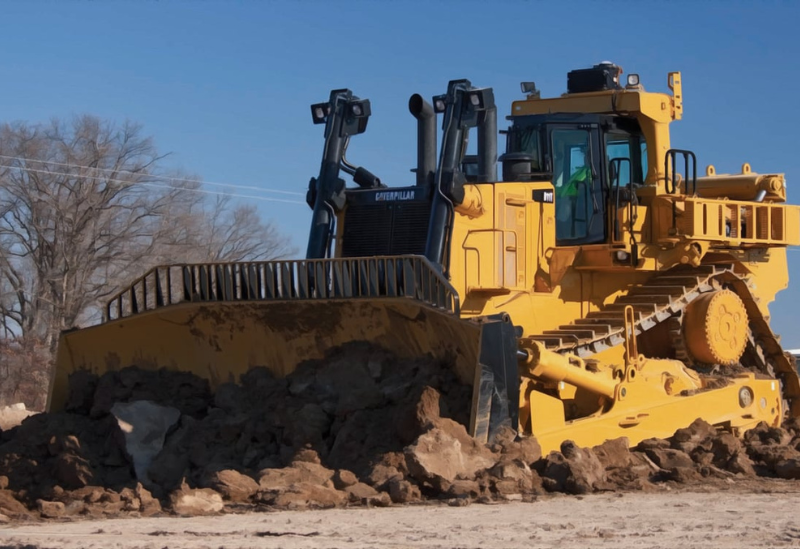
pixel 385 228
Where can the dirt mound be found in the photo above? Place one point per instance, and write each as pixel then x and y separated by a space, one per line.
pixel 359 427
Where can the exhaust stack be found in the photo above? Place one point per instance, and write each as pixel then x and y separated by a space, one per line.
pixel 426 138
pixel 487 145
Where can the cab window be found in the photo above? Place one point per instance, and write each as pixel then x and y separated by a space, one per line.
pixel 631 161
pixel 579 216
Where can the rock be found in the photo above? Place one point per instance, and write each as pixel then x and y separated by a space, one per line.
pixel 361 493
pixel 724 447
pixel 314 473
pixel 132 502
pixel 764 434
pixel 380 475
pixel 740 463
pixel 669 458
pixel 190 502
pixel 702 458
pixel 506 488
pixel 278 479
pixel 50 509
pixel 307 455
pixel 82 386
pixel 614 454
pixel 788 468
pixel 232 485
pixel 305 495
pixel 145 425
pixel 689 438
pixel 190 394
pixel 343 478
pixel 574 470
pixel 9 506
pixel 418 415
pixel 89 494
pixel 526 449
pixel 682 475
pixel 652 444
pixel 72 471
pixel 230 397
pixel 3 482
pixel 772 454
pixel 515 477
pixel 792 425
pixel 402 491
pixel 149 505
pixel 440 457
pixel 464 489
pixel 310 426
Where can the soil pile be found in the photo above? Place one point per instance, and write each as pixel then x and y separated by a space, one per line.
pixel 360 427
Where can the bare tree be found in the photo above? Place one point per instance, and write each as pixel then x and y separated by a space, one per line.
pixel 82 211
pixel 218 230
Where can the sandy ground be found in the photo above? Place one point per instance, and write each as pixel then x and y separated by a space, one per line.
pixel 757 515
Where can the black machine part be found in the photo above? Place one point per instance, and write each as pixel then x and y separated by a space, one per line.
pixel 344 115
pixel 496 392
pixel 426 138
pixel 463 107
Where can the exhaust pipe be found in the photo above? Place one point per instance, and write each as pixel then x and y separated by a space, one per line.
pixel 487 146
pixel 426 138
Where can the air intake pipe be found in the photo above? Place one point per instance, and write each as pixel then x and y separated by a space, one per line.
pixel 426 138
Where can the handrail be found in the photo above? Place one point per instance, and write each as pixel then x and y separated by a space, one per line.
pixel 407 276
pixel 689 164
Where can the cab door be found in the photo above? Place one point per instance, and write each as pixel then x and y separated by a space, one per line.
pixel 625 160
pixel 578 180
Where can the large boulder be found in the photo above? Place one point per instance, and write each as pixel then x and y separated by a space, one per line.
pixel 306 495
pixel 669 458
pixel 232 485
pixel 192 502
pixel 788 468
pixel 699 433
pixel 445 453
pixel 145 425
pixel 574 470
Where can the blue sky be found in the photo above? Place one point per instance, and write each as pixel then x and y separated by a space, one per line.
pixel 225 86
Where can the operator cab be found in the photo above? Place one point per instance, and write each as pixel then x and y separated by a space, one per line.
pixel 586 156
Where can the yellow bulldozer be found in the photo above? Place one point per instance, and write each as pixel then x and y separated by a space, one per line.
pixel 599 288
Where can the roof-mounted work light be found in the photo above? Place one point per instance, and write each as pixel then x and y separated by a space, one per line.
pixel 481 98
pixel 359 108
pixel 439 103
pixel 633 81
pixel 357 113
pixel 320 112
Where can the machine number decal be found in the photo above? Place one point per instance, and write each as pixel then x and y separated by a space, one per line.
pixel 543 196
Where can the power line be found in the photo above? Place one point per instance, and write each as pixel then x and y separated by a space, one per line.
pixel 182 179
pixel 157 185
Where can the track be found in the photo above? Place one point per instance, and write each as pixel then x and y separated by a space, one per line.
pixel 662 300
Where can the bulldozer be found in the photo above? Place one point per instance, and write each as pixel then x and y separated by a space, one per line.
pixel 598 288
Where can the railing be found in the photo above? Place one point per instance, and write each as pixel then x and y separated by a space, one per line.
pixel 740 222
pixel 409 277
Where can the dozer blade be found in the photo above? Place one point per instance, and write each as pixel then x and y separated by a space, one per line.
pixel 220 340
